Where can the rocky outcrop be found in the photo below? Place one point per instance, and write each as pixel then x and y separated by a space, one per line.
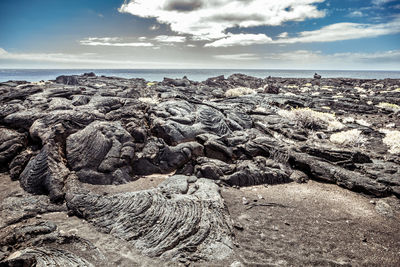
pixel 158 157
pixel 184 217
pixel 45 257
pixel 68 80
pixel 72 142
pixel 40 244
pixel 45 174
pixel 101 153
pixel 108 133
pixel 11 143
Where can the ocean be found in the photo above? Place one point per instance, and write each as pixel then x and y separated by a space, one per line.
pixel 34 75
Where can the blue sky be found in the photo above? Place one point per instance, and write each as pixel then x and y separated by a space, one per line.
pixel 267 34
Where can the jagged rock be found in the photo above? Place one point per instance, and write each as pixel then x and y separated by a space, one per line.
pixel 20 93
pixel 45 173
pixel 18 164
pixel 44 257
pixel 79 100
pixel 176 82
pixel 101 153
pixel 11 143
pixel 68 80
pixel 246 81
pixel 26 233
pixel 256 172
pixel 272 89
pixel 157 157
pixel 23 118
pixel 14 209
pixel 231 130
pixel 265 146
pixel 89 74
pixel 40 244
pixel 317 76
pixel 185 122
pixel 299 176
pixel 345 158
pixel 212 168
pixel 325 171
pixel 184 217
pixel 216 81
pixel 245 173
pixel 109 130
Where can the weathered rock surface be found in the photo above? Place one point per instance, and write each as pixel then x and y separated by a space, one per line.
pixel 45 174
pixel 11 143
pixel 182 218
pixel 101 153
pixel 67 140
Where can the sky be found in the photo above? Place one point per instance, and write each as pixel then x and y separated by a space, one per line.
pixel 179 34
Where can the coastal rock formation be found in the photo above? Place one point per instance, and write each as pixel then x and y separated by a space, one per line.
pixel 40 244
pixel 12 143
pixel 45 173
pixel 148 165
pixel 182 218
pixel 101 153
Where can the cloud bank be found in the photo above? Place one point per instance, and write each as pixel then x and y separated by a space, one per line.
pixel 331 33
pixel 240 39
pixel 294 59
pixel 381 2
pixel 112 41
pixel 243 57
pixel 210 19
pixel 344 31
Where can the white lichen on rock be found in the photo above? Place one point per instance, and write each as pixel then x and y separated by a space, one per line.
pixel 389 106
pixel 363 123
pixel 312 119
pixel 348 120
pixel 392 140
pixel 350 137
pixel 148 100
pixel 239 91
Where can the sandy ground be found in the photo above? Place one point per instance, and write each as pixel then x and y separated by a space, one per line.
pixel 311 224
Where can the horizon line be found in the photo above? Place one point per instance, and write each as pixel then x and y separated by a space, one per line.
pixel 261 69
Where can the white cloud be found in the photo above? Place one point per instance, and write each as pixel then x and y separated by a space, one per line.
pixel 82 60
pixel 300 59
pixel 54 57
pixel 317 59
pixel 344 31
pixel 356 13
pixel 385 56
pixel 103 39
pixel 131 42
pixel 240 40
pixel 283 35
pixel 209 19
pixel 244 56
pixel 154 27
pixel 381 2
pixel 112 41
pixel 170 39
pixel 297 55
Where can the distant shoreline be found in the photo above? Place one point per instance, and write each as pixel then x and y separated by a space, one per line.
pixel 35 75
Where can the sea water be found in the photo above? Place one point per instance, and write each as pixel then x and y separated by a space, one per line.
pixel 34 75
